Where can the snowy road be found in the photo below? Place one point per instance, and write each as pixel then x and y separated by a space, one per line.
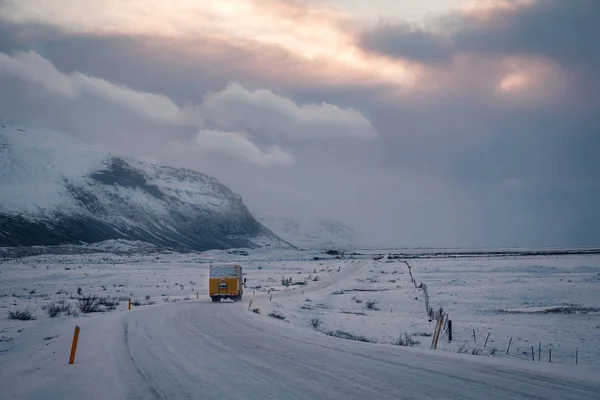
pixel 201 350
pixel 205 351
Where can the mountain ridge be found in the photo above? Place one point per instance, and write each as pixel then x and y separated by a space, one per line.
pixel 58 189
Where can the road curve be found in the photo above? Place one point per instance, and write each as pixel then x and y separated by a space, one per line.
pixel 200 350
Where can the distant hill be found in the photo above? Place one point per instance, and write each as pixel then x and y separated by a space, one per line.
pixel 317 234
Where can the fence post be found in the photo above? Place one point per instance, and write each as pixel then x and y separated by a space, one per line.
pixel 197 296
pixel 540 352
pixel 129 305
pixel 576 356
pixel 532 354
pixel 486 339
pixel 74 345
pixel 449 331
pixel 474 338
pixel 508 348
pixel 250 305
pixel 433 338
pixel 439 328
pixel 550 356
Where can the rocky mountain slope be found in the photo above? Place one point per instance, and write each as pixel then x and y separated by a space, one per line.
pixel 57 189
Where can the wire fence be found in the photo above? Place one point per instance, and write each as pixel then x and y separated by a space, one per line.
pixel 486 342
pixel 469 340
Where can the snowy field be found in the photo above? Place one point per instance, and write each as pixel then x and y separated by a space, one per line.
pixel 511 307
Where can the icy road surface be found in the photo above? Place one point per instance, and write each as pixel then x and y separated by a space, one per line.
pixel 201 350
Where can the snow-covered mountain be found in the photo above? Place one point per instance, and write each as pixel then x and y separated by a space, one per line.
pixel 313 233
pixel 57 189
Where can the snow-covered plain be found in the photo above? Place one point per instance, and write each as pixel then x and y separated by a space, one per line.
pixel 552 300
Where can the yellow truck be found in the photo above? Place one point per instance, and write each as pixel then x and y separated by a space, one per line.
pixel 226 281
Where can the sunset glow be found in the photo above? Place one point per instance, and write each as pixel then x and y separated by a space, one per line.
pixel 312 33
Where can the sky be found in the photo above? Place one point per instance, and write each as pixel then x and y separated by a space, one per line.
pixel 434 123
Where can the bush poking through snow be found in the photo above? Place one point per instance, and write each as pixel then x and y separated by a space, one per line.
pixel 256 310
pixel 406 340
pixel 475 352
pixel 55 308
pixel 109 303
pixel 276 315
pixel 372 305
pixel 6 339
pixel 349 336
pixel 425 334
pixel 356 300
pixel 315 323
pixel 338 292
pixel 21 315
pixel 89 304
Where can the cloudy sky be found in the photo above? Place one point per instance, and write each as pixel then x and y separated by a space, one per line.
pixel 453 123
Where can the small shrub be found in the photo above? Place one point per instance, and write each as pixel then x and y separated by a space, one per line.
pixel 6 339
pixel 315 278
pixel 464 350
pixel 147 297
pixel 276 315
pixel 372 305
pixel 136 303
pixel 353 312
pixel 21 315
pixel 338 292
pixel 186 298
pixel 256 310
pixel 307 300
pixel 315 323
pixel 89 304
pixel 406 340
pixel 110 304
pixel 349 336
pixel 55 308
pixel 425 334
pixel 79 291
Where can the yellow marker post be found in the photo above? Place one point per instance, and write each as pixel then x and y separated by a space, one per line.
pixel 74 345
pixel 197 296
pixel 129 306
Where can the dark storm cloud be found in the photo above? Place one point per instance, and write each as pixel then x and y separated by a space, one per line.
pixel 404 41
pixel 565 31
